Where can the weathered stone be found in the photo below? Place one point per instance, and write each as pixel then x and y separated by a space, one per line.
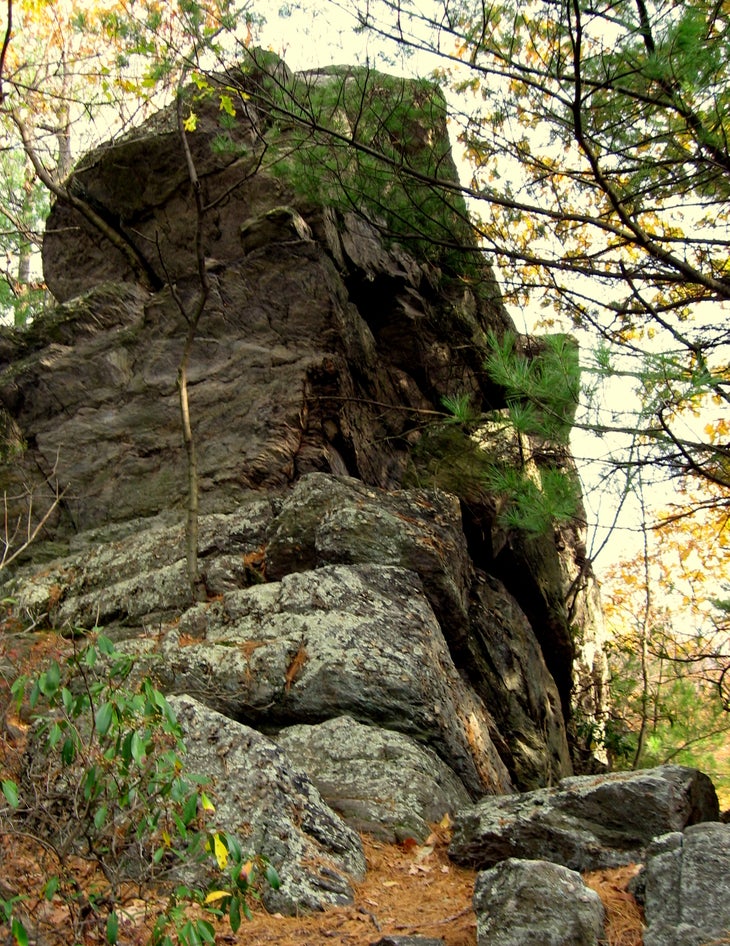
pixel 273 809
pixel 359 641
pixel 536 903
pixel 686 887
pixel 379 782
pixel 133 574
pixel 328 521
pixel 508 671
pixel 587 822
pixel 323 348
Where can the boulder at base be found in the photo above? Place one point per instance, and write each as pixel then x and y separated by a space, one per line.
pixel 378 781
pixel 273 809
pixel 536 903
pixel 687 879
pixel 587 822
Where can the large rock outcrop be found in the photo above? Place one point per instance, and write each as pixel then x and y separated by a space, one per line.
pixel 353 577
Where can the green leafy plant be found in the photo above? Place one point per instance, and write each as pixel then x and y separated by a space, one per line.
pixel 106 786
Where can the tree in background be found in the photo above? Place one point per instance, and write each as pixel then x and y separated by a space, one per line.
pixel 597 142
pixel 670 644
pixel 22 216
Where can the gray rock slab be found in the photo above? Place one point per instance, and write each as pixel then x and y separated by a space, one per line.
pixel 536 903
pixel 340 640
pixel 687 887
pixel 134 573
pixel 327 520
pixel 273 809
pixel 586 822
pixel 378 781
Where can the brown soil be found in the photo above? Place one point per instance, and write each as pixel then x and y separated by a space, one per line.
pixel 408 890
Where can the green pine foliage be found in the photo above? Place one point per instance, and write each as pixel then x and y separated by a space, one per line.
pixel 358 140
pixel 541 391
pixel 516 456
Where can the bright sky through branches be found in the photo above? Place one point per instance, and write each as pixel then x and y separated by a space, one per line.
pixel 322 33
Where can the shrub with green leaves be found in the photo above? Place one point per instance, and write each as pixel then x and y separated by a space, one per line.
pixel 106 785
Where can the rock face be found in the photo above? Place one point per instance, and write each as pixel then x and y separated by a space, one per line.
pixel 356 581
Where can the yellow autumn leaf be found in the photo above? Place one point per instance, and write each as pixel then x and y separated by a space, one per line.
pixel 216 895
pixel 227 105
pixel 206 803
pixel 219 850
pixel 191 122
pixel 201 82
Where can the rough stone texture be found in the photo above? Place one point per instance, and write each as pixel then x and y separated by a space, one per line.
pixel 686 887
pixel 339 580
pixel 508 671
pixel 356 640
pixel 378 781
pixel 536 903
pixel 131 575
pixel 462 650
pixel 273 809
pixel 587 822
pixel 318 353
pixel 326 522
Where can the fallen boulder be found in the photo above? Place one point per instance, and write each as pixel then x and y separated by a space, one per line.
pixel 586 822
pixel 686 887
pixel 378 781
pixel 536 903
pixel 273 809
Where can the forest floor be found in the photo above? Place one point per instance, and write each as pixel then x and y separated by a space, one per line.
pixel 409 889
